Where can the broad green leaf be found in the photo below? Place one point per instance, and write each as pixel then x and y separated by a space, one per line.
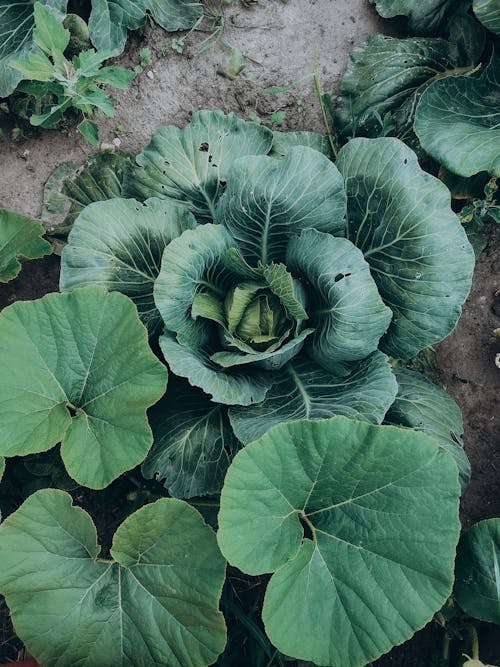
pixel 381 508
pixel 20 239
pixel 477 582
pixel 76 368
pixel 193 261
pixel 457 121
pixel 419 255
pixel 424 17
pixel 469 36
pixel 268 201
pixel 422 406
pixel 70 188
pixel 90 131
pixel 119 244
pixel 155 603
pixel 283 141
pixel 304 390
pixel 348 314
pixel 193 164
pixel 49 33
pixel 119 77
pixel 16 39
pixel 488 12
pixel 110 20
pixel 382 74
pixel 238 386
pixel 36 67
pixel 193 443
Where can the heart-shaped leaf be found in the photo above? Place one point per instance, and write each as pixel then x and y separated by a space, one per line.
pixel 193 164
pixel 477 582
pixel 268 200
pixel 155 604
pixel 392 211
pixel 380 505
pixel 20 239
pixel 76 368
pixel 457 121
pixel 119 244
pixel 304 390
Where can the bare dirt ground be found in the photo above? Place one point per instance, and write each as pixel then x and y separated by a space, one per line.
pixel 280 41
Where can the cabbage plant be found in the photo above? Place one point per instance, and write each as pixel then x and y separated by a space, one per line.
pixel 280 283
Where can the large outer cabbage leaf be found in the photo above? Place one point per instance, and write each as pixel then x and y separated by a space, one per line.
pixel 425 16
pixel 76 368
pixel 193 164
pixel 119 244
pixel 477 582
pixel 383 74
pixel 155 603
pixel 422 406
pixel 268 200
pixel 488 12
pixel 457 121
pixel 193 442
pixel 381 507
pixel 110 20
pixel 16 38
pixel 305 390
pixel 20 239
pixel 419 255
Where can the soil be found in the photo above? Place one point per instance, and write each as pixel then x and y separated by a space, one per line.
pixel 280 42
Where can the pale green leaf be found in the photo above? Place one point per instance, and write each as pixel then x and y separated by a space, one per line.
pixel 119 244
pixel 36 67
pixel 458 121
pixel 422 406
pixel 193 443
pixel 419 255
pixel 381 506
pixel 76 368
pixel 49 33
pixel 155 603
pixel 267 201
pixel 477 583
pixel 16 41
pixel 119 77
pixel 304 390
pixel 20 239
pixel 194 163
pixel 347 313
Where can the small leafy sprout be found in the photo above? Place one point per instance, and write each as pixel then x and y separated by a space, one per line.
pixel 146 57
pixel 178 44
pixel 60 84
pixel 236 63
pixel 278 118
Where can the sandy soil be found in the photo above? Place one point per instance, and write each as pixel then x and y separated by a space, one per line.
pixel 280 41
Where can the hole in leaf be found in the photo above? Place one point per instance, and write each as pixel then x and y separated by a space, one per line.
pixel 308 534
pixel 204 147
pixel 341 276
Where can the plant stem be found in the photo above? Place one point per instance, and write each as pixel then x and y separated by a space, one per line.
pixel 319 94
pixel 474 641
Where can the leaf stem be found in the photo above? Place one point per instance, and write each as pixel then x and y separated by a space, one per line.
pixel 319 94
pixel 303 516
